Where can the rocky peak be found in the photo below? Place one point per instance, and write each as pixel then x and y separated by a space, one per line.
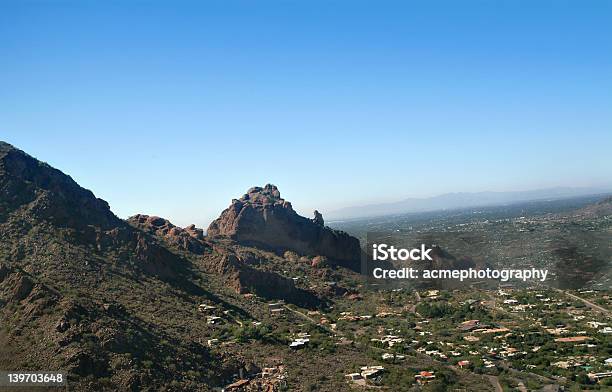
pixel 266 195
pixel 269 195
pixel 35 189
pixel 262 218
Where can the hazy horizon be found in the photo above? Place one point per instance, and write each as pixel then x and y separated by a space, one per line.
pixel 174 110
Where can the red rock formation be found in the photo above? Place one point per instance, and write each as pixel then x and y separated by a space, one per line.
pixel 262 218
pixel 189 238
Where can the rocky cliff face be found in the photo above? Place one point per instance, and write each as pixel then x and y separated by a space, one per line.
pixel 239 271
pixel 262 218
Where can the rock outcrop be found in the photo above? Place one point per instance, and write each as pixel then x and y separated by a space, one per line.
pixel 189 239
pixel 225 260
pixel 262 218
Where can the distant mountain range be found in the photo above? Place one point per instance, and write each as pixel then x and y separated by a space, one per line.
pixel 460 200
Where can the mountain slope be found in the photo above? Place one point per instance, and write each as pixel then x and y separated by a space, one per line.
pixel 74 283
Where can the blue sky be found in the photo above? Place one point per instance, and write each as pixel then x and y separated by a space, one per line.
pixel 174 108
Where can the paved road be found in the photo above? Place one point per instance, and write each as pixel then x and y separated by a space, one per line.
pixel 587 303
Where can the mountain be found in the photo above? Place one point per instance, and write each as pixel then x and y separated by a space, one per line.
pixel 262 218
pixel 75 283
pixel 35 190
pixel 119 304
pixel 460 200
